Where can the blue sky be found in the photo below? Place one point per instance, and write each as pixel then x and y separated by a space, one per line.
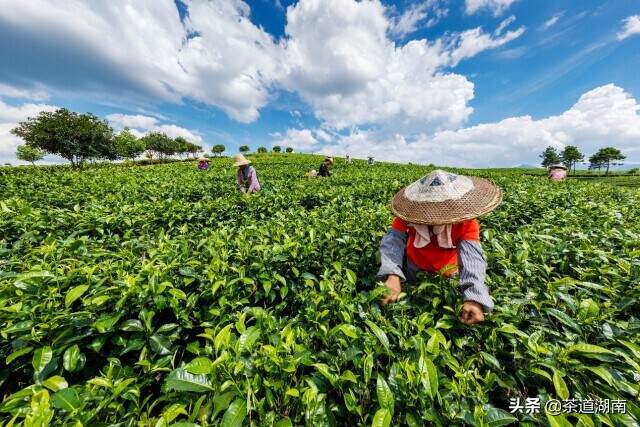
pixel 451 82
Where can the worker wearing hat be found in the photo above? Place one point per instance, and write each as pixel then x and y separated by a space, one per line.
pixel 324 167
pixel 203 163
pixel 435 230
pixel 247 178
pixel 557 172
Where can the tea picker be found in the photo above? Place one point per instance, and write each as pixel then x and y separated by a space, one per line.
pixel 246 177
pixel 557 172
pixel 435 230
pixel 324 167
pixel 203 163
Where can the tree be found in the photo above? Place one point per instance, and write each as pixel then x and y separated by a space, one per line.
pixel 72 136
pixel 160 144
pixel 244 148
pixel 570 156
pixel 127 145
pixel 262 150
pixel 276 149
pixel 289 150
pixel 29 154
pixel 605 157
pixel 218 149
pixel 549 157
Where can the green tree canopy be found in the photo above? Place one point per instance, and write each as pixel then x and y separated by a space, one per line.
pixel 262 149
pixel 570 156
pixel 289 150
pixel 29 154
pixel 127 145
pixel 276 148
pixel 605 157
pixel 549 157
pixel 72 136
pixel 160 144
pixel 244 148
pixel 218 149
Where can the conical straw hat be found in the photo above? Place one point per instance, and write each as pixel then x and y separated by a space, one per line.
pixel 240 160
pixel 445 198
pixel 202 159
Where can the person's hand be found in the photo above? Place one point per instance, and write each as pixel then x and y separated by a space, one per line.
pixel 393 284
pixel 471 313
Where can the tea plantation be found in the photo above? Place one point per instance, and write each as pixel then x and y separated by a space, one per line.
pixel 158 295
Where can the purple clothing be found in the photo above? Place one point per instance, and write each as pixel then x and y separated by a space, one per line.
pixel 203 165
pixel 248 176
pixel 557 174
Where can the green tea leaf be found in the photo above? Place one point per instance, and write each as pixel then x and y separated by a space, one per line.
pixel 497 417
pixel 41 358
pixel 379 333
pixel 181 380
pixel 74 294
pixel 66 399
pixel 561 387
pixel 55 383
pixel 382 418
pixel 385 396
pixel 235 414
pixel 200 365
pixel 70 358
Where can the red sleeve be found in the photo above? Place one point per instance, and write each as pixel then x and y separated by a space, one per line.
pixel 469 230
pixel 399 224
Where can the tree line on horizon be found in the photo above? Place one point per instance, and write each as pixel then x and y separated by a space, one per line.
pixel 570 156
pixel 81 137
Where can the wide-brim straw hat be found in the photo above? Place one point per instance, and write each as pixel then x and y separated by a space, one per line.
pixel 445 198
pixel 558 166
pixel 202 159
pixel 240 160
pixel 329 159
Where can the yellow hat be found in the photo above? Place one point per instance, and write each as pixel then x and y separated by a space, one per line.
pixel 240 160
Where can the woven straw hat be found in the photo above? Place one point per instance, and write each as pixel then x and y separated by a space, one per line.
pixel 202 159
pixel 328 159
pixel 240 160
pixel 445 198
pixel 558 166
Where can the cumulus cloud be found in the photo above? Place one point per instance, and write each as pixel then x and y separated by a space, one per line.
pixel 140 125
pixel 340 60
pixel 631 27
pixel 33 94
pixel 10 116
pixel 141 49
pixel 496 6
pixel 415 17
pixel 298 139
pixel 604 116
pixel 337 55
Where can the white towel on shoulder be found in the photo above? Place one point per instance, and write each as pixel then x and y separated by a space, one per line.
pixel 424 232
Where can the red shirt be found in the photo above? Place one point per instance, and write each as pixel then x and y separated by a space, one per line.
pixel 432 257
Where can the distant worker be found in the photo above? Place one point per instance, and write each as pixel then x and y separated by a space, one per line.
pixel 435 230
pixel 324 167
pixel 557 172
pixel 247 178
pixel 348 159
pixel 203 163
pixel 370 160
pixel 311 174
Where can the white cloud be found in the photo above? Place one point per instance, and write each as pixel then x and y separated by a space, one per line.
pixel 604 116
pixel 471 42
pixel 552 21
pixel 141 47
pixel 140 125
pixel 298 139
pixel 496 6
pixel 415 17
pixel 33 94
pixel 341 62
pixel 631 27
pixel 336 54
pixel 10 116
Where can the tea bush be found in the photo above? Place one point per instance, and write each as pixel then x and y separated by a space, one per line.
pixel 158 295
